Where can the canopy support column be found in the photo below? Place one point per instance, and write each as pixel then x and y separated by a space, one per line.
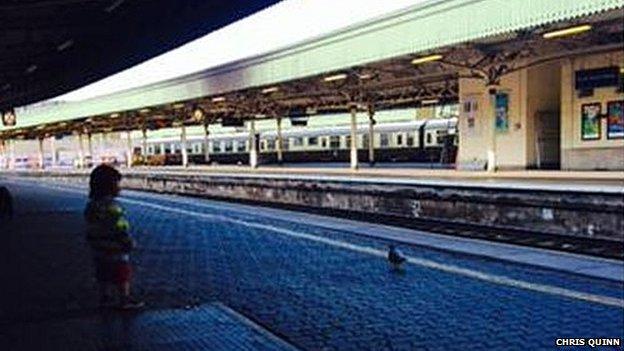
pixel 53 151
pixel 253 150
pixel 144 143
pixel 103 143
pixel 371 135
pixel 41 153
pixel 206 143
pixel 90 146
pixel 129 148
pixel 183 148
pixel 279 142
pixel 491 152
pixel 11 154
pixel 3 153
pixel 81 154
pixel 354 151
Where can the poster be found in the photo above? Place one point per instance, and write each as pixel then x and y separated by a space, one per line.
pixel 590 121
pixel 470 114
pixel 501 105
pixel 615 120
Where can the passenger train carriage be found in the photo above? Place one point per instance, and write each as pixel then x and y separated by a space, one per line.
pixel 432 141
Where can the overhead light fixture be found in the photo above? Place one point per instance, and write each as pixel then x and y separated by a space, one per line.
pixel 424 59
pixel 335 77
pixel 366 76
pixel 144 110
pixel 429 101
pixel 567 31
pixel 114 115
pixel 269 90
pixel 218 99
pixel 622 70
pixel 178 106
pixel 65 45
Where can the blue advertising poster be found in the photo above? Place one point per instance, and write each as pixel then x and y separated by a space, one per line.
pixel 615 120
pixel 502 112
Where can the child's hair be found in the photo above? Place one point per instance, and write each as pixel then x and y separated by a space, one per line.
pixel 103 182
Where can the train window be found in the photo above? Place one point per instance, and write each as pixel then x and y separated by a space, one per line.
pixel 216 146
pixel 365 141
pixel 313 141
pixel 348 141
pixel 323 142
pixel 399 139
pixel 229 147
pixel 298 141
pixel 239 146
pixel 384 140
pixel 270 144
pixel 429 138
pixel 410 139
pixel 334 142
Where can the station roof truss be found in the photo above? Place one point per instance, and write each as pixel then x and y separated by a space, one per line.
pixel 395 82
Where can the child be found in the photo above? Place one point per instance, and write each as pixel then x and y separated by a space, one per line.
pixel 109 237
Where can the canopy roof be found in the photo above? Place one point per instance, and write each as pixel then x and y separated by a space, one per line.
pixel 479 38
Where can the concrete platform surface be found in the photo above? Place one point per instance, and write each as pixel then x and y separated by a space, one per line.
pixel 574 181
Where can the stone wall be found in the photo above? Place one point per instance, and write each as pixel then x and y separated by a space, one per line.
pixel 596 215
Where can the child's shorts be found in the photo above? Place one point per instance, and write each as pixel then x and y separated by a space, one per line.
pixel 115 272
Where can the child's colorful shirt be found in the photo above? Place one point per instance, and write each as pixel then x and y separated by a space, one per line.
pixel 108 230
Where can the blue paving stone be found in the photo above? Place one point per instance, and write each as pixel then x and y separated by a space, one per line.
pixel 208 327
pixel 315 296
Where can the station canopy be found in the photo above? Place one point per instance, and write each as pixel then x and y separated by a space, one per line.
pixel 395 57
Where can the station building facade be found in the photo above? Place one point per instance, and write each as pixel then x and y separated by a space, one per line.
pixel 544 117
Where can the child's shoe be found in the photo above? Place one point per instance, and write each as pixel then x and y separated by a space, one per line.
pixel 130 303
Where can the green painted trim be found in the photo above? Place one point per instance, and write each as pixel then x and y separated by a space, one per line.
pixel 426 26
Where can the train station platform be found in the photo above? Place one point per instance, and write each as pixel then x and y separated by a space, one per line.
pixel 575 181
pixel 569 211
pixel 225 276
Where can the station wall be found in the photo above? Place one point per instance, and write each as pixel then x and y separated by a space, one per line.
pixel 577 153
pixel 543 119
pixel 479 137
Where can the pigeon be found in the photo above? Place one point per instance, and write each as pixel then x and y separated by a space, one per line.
pixel 395 257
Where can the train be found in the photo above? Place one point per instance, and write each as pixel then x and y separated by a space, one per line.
pixel 417 141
